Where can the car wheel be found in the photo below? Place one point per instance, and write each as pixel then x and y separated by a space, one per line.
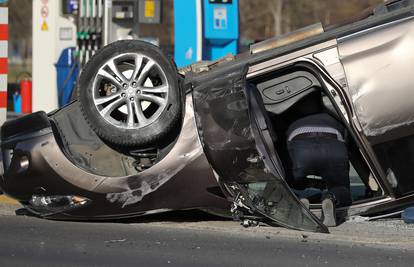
pixel 129 93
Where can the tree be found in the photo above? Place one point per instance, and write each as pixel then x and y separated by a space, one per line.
pixel 276 9
pixel 261 19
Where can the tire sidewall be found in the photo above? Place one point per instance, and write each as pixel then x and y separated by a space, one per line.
pixel 149 134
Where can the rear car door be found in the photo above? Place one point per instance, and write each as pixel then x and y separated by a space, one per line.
pixel 378 63
pixel 238 142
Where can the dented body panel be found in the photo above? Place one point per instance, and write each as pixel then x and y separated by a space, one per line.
pixel 184 171
pixel 378 63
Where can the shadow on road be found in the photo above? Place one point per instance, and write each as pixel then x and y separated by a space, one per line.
pixel 184 216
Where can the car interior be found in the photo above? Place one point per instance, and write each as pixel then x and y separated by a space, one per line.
pixel 294 93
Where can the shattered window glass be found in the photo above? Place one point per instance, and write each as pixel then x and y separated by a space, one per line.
pixel 275 200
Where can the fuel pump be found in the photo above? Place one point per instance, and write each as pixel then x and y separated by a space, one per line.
pixel 82 31
pixel 123 20
pixel 205 30
pixel 90 28
pixel 104 21
pixel 97 36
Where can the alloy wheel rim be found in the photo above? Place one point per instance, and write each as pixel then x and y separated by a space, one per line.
pixel 130 91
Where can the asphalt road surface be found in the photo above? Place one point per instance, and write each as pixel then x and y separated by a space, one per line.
pixel 192 240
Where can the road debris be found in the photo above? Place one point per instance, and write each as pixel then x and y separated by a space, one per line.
pixel 116 241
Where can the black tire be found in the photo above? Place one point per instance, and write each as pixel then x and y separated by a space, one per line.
pixel 147 135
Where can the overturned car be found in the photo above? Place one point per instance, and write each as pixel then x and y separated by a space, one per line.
pixel 144 137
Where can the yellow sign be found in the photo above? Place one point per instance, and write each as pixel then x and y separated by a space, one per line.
pixel 149 9
pixel 45 27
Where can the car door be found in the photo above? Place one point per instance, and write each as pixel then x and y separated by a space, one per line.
pixel 238 142
pixel 378 67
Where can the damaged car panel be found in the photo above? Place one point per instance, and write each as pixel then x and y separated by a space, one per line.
pixel 384 106
pixel 369 57
pixel 111 196
pixel 234 132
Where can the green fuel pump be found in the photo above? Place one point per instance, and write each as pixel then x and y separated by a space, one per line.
pixel 90 28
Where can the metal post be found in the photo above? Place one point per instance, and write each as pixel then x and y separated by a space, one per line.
pixel 4 15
